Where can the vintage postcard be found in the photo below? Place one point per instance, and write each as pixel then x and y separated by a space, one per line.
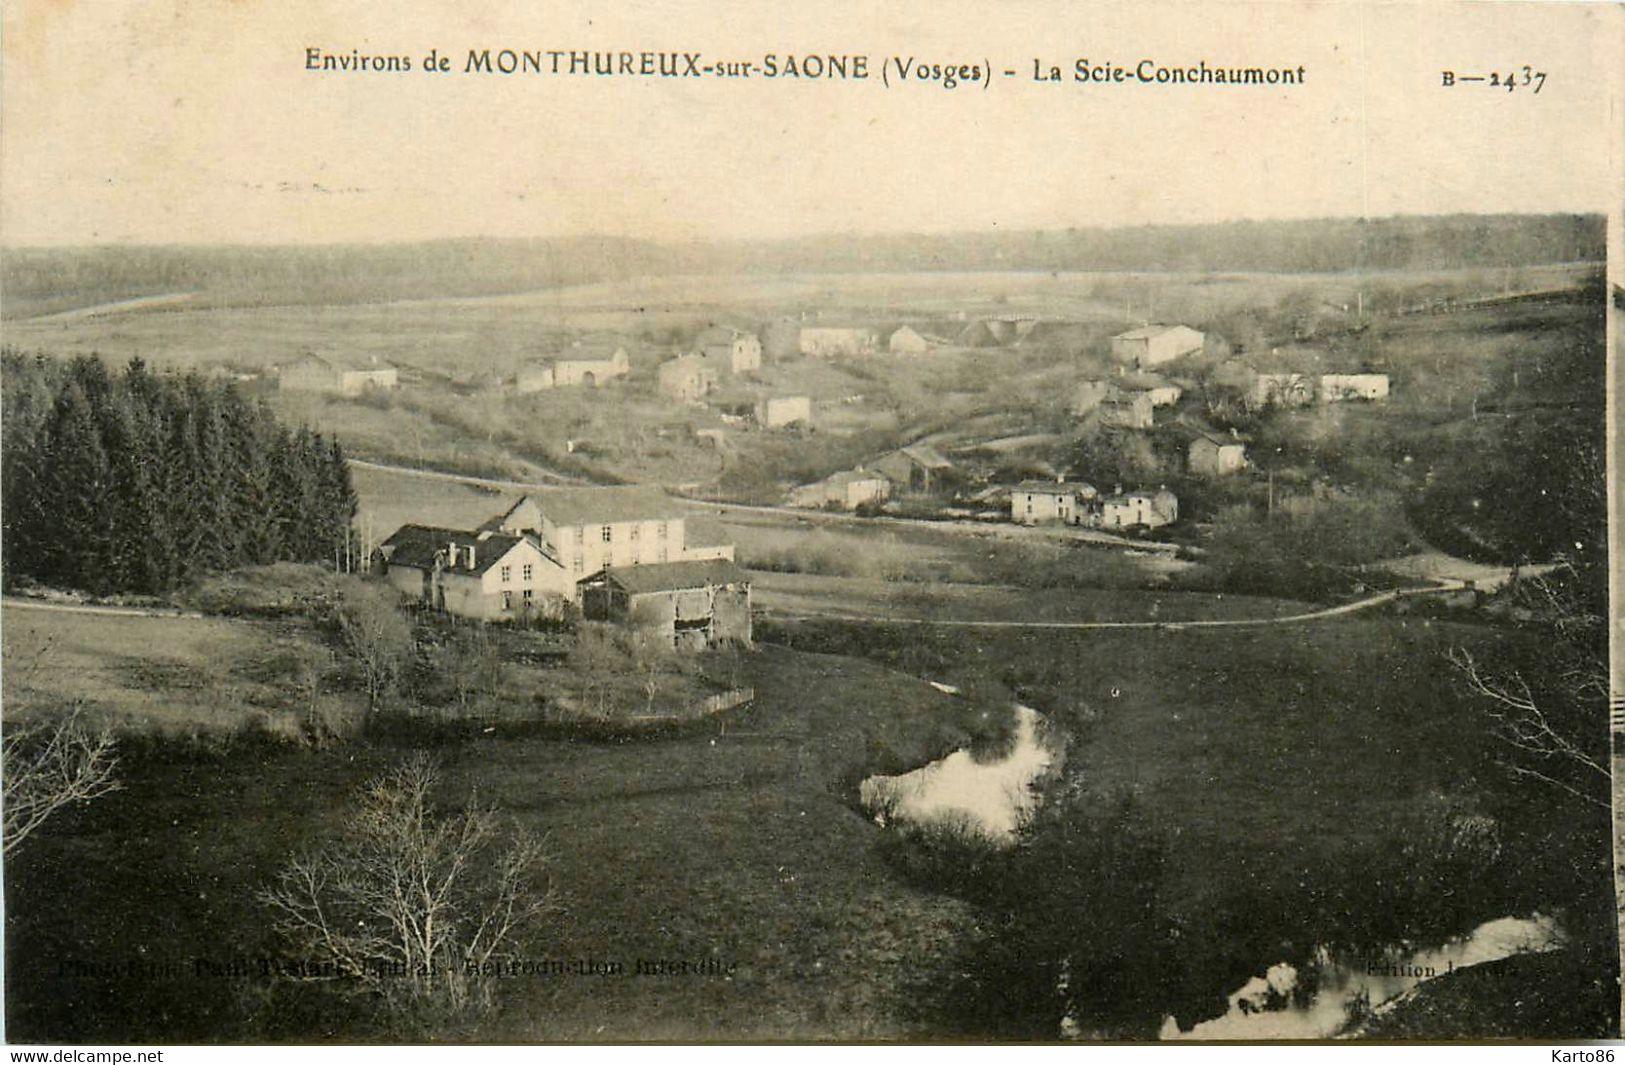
pixel 673 521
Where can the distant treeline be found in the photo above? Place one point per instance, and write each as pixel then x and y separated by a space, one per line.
pixel 40 281
pixel 135 481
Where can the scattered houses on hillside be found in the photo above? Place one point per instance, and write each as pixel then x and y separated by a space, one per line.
pixel 830 341
pixel 578 367
pixel 917 468
pixel 848 490
pixel 313 373
pixel 1216 455
pixel 687 378
pixel 1151 510
pixel 694 605
pixel 1153 345
pixel 776 412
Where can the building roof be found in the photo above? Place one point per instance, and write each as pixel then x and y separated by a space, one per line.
pixel 340 365
pixel 846 477
pixel 719 334
pixel 674 576
pixel 1054 488
pixel 417 546
pixel 1142 382
pixel 601 505
pixel 1146 332
pixel 925 455
pixel 1219 439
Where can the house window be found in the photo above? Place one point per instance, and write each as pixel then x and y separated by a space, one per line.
pixel 662 553
pixel 660 531
pixel 507 574
pixel 507 600
pixel 527 573
pixel 580 533
pixel 606 533
pixel 580 564
pixel 526 595
pixel 633 534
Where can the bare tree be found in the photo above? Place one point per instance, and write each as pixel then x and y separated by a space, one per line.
pixel 46 765
pixel 1554 727
pixel 377 636
pixel 412 904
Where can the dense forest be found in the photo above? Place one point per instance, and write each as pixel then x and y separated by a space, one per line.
pixel 134 481
pixel 46 280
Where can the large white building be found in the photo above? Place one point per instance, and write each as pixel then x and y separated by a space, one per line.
pixel 1153 345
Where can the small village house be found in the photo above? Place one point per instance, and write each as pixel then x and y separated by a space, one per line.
pixel 1342 387
pixel 1162 391
pixel 1126 410
pixel 1280 390
pixel 1150 510
pixel 831 341
pixel 730 351
pixel 687 378
pixel 776 412
pixel 917 468
pixel 573 369
pixel 483 574
pixel 694 605
pixel 590 529
pixel 848 490
pixel 1215 455
pixel 1049 502
pixel 1153 345
pixel 313 373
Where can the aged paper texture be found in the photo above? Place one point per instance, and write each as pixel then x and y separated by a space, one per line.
pixel 691 522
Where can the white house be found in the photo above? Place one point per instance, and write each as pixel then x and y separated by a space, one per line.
pixel 1214 455
pixel 475 573
pixel 1340 387
pixel 829 341
pixel 687 377
pixel 730 351
pixel 847 489
pixel 573 369
pixel 773 412
pixel 312 373
pixel 1044 502
pixel 1153 345
pixel 1148 509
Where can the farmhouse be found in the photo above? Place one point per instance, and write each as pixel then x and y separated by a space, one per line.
pixel 1280 390
pixel 830 341
pixel 1043 502
pixel 774 412
pixel 1213 455
pixel 576 369
pixel 1126 410
pixel 1340 387
pixel 848 489
pixel 687 377
pixel 475 573
pixel 1148 509
pixel 589 529
pixel 730 351
pixel 1153 345
pixel 1163 392
pixel 695 605
pixel 312 373
pixel 916 468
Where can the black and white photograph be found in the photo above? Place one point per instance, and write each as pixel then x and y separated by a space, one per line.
pixel 673 522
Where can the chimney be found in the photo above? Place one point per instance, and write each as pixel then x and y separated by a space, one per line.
pixel 451 554
pixel 470 556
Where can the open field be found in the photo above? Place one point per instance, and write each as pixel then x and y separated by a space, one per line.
pixel 164 675
pixel 740 845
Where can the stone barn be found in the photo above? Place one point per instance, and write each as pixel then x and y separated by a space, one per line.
pixel 696 605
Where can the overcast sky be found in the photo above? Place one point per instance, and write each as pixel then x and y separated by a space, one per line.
pixel 195 120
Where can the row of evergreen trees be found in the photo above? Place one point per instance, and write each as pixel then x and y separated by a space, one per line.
pixel 135 481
